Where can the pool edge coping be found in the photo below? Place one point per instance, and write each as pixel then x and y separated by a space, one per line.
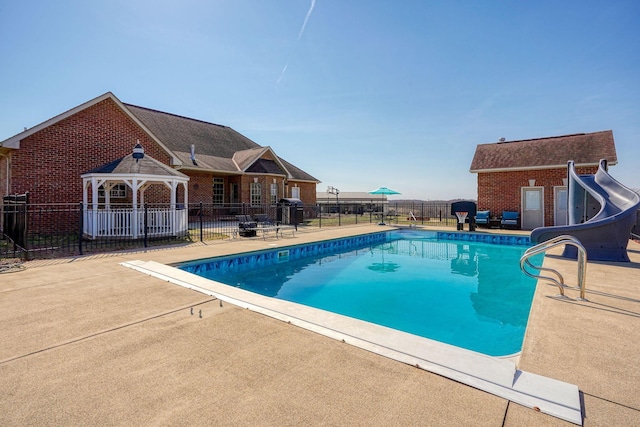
pixel 498 376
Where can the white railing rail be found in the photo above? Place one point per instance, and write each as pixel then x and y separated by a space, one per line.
pixel 130 222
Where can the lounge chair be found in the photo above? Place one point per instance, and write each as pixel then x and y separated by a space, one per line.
pixel 482 218
pixel 266 224
pixel 510 220
pixel 263 220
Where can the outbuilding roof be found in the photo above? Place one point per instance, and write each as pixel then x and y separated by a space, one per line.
pixel 585 149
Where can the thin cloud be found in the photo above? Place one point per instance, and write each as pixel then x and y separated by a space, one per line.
pixel 306 19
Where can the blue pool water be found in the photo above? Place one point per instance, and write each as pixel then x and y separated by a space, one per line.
pixel 463 289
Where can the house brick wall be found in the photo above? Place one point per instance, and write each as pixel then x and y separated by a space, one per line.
pixel 49 163
pixel 501 191
pixel 201 188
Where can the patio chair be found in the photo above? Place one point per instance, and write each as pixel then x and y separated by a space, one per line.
pixel 510 220
pixel 482 218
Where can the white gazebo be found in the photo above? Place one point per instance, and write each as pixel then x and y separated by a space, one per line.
pixel 133 219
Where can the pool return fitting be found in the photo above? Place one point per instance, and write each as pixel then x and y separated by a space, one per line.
pixel 552 243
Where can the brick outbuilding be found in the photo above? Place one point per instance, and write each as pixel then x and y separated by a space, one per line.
pixel 529 176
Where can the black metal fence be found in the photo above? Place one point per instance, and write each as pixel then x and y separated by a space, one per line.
pixel 60 230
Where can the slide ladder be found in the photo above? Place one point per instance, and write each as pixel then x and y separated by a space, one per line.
pixel 552 243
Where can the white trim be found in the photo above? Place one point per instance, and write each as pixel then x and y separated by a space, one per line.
pixel 522 205
pixel 542 167
pixel 261 152
pixel 14 141
pixel 555 203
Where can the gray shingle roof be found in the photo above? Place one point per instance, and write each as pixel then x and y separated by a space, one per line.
pixel 217 147
pixel 178 133
pixel 583 149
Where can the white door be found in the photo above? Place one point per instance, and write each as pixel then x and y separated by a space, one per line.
pixel 532 208
pixel 560 214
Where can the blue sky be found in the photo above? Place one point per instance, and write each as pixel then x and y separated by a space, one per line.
pixel 359 93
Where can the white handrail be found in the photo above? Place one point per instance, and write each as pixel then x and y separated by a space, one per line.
pixel 413 218
pixel 551 243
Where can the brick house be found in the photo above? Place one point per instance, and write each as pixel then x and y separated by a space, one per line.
pixel 529 176
pixel 223 166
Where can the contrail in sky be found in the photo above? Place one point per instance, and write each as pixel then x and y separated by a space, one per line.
pixel 304 25
pixel 306 19
pixel 284 70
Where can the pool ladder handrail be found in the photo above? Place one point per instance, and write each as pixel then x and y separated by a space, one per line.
pixel 552 243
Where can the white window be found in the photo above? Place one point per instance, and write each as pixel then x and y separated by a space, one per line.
pixel 295 192
pixel 274 193
pixel 256 193
pixel 218 191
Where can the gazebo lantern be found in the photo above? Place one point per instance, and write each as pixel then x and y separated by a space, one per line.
pixel 138 151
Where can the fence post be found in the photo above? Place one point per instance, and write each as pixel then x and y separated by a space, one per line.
pixel 200 218
pixel 81 229
pixel 145 225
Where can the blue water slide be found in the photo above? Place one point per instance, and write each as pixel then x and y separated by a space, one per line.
pixel 601 213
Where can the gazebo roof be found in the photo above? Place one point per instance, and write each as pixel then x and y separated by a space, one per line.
pixel 129 165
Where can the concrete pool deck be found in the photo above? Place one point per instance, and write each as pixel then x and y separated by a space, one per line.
pixel 87 341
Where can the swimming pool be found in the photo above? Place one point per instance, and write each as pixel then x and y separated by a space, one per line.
pixel 463 289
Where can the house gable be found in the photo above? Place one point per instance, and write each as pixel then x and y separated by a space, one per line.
pixel 14 141
pixel 260 161
pixel 265 166
pixel 51 158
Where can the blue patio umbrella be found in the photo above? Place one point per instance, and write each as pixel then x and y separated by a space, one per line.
pixel 384 191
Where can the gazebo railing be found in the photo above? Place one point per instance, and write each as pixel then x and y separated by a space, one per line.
pixel 130 222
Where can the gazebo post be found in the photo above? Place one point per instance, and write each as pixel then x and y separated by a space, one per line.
pixel 94 204
pixel 134 210
pixel 173 186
